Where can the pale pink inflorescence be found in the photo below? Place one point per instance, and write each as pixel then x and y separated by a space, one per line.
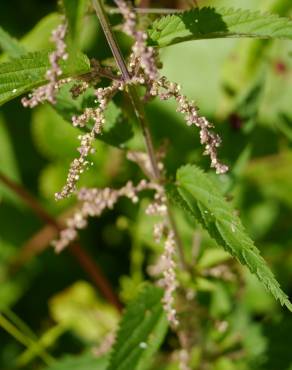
pixel 48 92
pixel 165 90
pixel 80 164
pixel 166 264
pixel 145 58
pixel 143 70
pixel 142 55
pixel 169 282
pixel 93 203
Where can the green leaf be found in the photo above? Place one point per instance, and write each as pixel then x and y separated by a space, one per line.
pixel 39 37
pixel 84 362
pixel 67 309
pixel 116 131
pixel 27 72
pixel 198 195
pixel 75 11
pixel 209 23
pixel 10 45
pixel 141 332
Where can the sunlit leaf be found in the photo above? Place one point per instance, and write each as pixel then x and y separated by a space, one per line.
pixel 208 23
pixel 27 72
pixel 199 196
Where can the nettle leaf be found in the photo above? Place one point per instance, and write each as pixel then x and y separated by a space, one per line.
pixel 209 23
pixel 22 74
pixel 141 332
pixel 200 197
pixel 10 45
pixel 75 11
pixel 117 129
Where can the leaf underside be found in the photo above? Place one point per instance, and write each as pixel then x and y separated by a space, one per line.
pixel 210 22
pixel 198 195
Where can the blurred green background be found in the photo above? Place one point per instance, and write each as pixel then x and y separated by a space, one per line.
pixel 245 87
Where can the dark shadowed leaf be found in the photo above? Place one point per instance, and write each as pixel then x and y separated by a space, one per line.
pixel 75 11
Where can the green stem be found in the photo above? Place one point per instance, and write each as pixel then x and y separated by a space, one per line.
pixel 24 340
pixel 140 113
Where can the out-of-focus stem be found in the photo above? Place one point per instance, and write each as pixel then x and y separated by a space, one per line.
pixel 83 258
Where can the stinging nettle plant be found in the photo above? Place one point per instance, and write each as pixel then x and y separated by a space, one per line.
pixel 136 78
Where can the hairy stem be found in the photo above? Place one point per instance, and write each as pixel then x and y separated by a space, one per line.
pixel 139 111
pixel 83 258
pixel 102 16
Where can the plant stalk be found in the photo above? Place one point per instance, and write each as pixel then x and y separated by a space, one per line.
pixel 140 113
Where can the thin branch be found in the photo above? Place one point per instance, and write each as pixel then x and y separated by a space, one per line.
pixel 102 16
pixel 139 111
pixel 28 199
pixel 83 258
pixel 147 10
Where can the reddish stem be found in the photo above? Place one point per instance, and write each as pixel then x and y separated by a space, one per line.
pixel 83 257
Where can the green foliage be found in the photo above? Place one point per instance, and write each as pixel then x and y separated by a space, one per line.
pixel 9 45
pixel 141 332
pixel 226 312
pixel 201 198
pixel 75 10
pixel 39 37
pixel 67 307
pixel 208 23
pixel 27 72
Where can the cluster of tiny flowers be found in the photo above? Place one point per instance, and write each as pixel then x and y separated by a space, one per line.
pixel 158 207
pixel 81 163
pixel 169 282
pixel 79 88
pixel 145 58
pixel 93 203
pixel 48 92
pixel 78 166
pixel 166 264
pixel 165 90
pixel 142 55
